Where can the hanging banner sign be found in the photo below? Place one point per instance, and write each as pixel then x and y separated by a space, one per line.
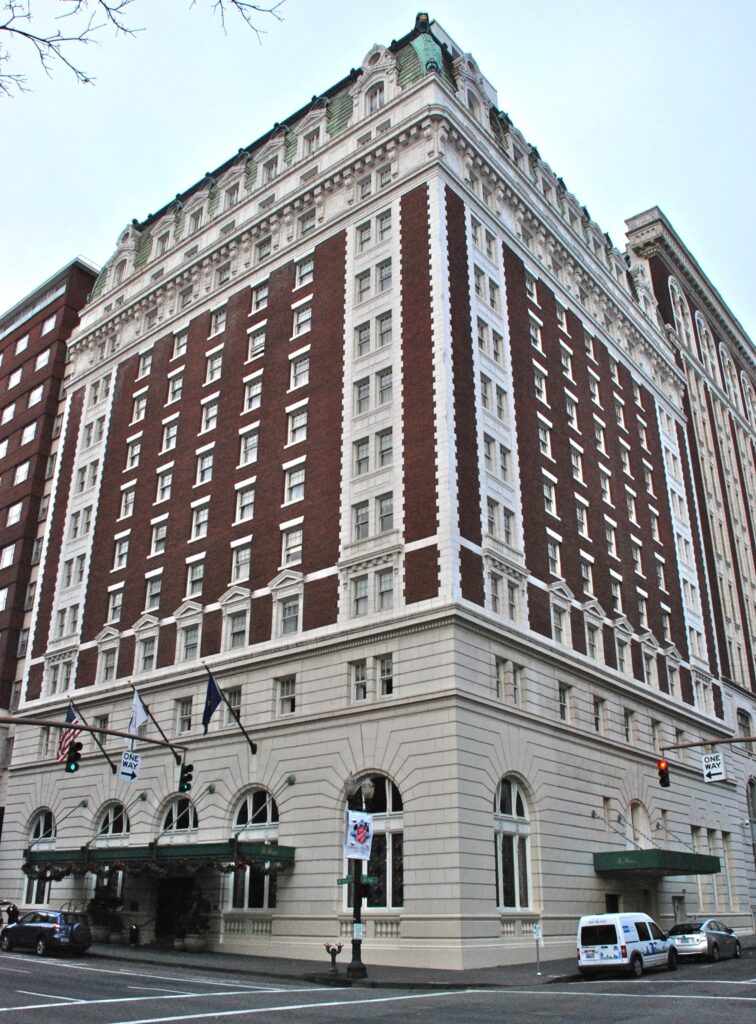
pixel 359 835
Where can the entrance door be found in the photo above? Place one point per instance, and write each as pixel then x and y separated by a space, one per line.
pixel 678 909
pixel 174 898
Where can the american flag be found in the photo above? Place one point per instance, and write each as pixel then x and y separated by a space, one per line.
pixel 68 734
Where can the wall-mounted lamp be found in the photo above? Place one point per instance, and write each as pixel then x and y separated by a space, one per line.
pixel 210 787
pixel 290 780
pixel 84 803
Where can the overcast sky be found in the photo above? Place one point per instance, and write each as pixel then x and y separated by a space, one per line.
pixel 633 104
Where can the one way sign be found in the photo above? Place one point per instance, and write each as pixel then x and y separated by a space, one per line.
pixel 129 766
pixel 713 768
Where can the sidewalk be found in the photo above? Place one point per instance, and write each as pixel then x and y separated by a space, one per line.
pixel 279 968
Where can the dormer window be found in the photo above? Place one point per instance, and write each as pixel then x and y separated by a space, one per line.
pixel 120 270
pixel 376 98
pixel 312 142
pixel 270 169
pixel 195 221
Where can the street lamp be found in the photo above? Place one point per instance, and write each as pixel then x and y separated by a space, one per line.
pixel 360 793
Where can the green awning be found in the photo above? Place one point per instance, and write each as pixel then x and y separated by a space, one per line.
pixel 654 862
pixel 159 858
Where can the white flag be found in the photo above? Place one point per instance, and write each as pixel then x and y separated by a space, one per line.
pixel 138 714
pixel 358 840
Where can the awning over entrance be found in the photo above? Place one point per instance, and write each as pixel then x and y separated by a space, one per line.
pixel 657 863
pixel 159 859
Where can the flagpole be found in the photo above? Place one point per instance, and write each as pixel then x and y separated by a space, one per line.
pixel 75 706
pixel 176 757
pixel 234 715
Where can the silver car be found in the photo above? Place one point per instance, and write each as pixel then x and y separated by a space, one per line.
pixel 709 938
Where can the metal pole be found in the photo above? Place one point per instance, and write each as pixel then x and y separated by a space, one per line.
pixel 356 969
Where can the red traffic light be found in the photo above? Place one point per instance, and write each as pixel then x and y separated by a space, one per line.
pixel 663 765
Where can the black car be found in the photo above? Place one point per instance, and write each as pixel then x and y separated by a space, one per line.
pixel 48 930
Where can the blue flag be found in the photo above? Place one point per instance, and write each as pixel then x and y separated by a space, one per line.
pixel 213 698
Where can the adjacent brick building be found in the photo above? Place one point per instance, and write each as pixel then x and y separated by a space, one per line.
pixel 375 423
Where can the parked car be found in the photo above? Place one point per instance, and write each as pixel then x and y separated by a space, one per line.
pixel 709 938
pixel 615 942
pixel 46 931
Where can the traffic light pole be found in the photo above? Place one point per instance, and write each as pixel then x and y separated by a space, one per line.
pixel 57 723
pixel 713 742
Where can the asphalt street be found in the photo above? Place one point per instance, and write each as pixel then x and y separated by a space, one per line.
pixel 98 990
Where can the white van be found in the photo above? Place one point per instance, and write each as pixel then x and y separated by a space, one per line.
pixel 611 942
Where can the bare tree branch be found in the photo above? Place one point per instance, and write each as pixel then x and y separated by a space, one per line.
pixel 55 47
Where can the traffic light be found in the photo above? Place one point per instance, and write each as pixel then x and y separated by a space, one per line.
pixel 663 766
pixel 74 756
pixel 185 778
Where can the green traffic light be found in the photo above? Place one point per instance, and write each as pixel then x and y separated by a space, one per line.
pixel 74 754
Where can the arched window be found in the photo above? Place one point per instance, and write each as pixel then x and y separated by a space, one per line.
pixel 375 98
pixel 42 827
pixel 681 314
pixel 512 845
pixel 41 834
pixel 639 827
pixel 181 816
pixel 706 343
pixel 256 820
pixel 114 821
pixel 386 862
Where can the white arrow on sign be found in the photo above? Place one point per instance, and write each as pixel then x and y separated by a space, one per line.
pixel 713 767
pixel 129 766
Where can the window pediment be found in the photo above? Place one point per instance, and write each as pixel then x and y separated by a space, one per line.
pixel 235 595
pixel 287 578
pixel 623 626
pixel 561 592
pixel 593 610
pixel 146 624
pixel 188 610
pixel 107 635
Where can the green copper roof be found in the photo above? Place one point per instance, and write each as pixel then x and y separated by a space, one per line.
pixel 143 249
pixel 429 52
pixel 339 112
pixel 290 147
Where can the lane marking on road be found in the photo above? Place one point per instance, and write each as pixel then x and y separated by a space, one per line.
pixel 122 972
pixel 629 995
pixel 48 995
pixel 142 999
pixel 155 988
pixel 344 1004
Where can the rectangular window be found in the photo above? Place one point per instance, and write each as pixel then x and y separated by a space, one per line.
pixel 289 615
pixel 252 394
pixel 383 276
pixel 152 593
pixel 292 546
pixel 286 695
pixel 200 517
pixel 362 339
pixel 384 329
pixel 359 680
pixel 115 603
pixel 361 451
pixel 295 484
pixel 260 297
pixel 302 320
pixel 195 578
pixel 184 715
pixel 245 503
pixel 362 395
pixel 564 702
pixel 384 580
pixel 213 365
pixel 159 535
pixel 218 320
pixel 204 468
pixel 305 271
pixel 297 426
pixel 248 452
pixel 384 386
pixel 300 371
pixel 209 416
pixel 385 512
pixel 241 560
pixel 147 651
pixel 164 485
pixel 121 553
pixel 360 520
pixel 237 629
pixel 138 408
pixel 360 596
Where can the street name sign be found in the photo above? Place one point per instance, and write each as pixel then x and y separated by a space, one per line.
pixel 130 762
pixel 713 768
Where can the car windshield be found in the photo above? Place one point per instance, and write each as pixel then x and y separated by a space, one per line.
pixel 685 929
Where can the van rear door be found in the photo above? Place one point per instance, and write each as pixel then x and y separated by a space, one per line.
pixel 598 943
